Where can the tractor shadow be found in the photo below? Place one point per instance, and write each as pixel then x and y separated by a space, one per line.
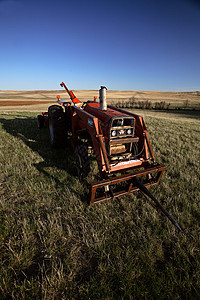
pixel 25 129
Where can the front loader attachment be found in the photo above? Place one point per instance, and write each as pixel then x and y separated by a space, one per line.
pixel 151 176
pixel 132 182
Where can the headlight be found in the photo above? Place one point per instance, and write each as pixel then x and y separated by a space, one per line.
pixel 113 132
pixel 129 131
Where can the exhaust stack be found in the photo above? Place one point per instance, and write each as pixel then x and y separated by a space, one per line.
pixel 102 97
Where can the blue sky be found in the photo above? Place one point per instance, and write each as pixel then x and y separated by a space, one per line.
pixel 124 45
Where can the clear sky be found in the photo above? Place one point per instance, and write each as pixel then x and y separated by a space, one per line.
pixel 122 44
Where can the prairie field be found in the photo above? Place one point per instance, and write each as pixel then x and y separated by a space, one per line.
pixel 54 246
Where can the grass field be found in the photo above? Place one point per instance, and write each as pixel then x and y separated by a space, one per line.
pixel 54 246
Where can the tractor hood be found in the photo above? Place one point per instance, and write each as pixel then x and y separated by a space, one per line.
pixel 105 116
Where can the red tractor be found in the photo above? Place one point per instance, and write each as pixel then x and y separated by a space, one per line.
pixel 118 139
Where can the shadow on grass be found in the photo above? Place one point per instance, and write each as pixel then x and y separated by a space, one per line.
pixel 25 128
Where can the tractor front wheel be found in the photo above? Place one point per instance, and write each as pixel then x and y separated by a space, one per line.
pixel 57 126
pixel 82 160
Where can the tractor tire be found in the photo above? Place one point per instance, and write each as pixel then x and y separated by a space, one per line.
pixel 40 121
pixel 82 160
pixel 57 126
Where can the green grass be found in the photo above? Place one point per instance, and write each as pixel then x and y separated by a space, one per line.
pixel 54 246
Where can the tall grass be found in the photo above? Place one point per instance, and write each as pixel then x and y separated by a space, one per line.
pixel 54 246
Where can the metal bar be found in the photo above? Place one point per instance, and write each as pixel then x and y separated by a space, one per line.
pixel 130 188
pixel 124 140
pixel 144 190
pixel 104 152
pixel 93 193
pixel 71 94
pixel 149 146
pixel 118 179
pixel 117 194
pixel 152 204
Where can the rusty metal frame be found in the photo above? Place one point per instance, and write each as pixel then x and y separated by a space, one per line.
pixel 130 188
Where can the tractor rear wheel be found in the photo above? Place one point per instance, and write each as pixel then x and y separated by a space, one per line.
pixel 82 160
pixel 57 126
pixel 40 121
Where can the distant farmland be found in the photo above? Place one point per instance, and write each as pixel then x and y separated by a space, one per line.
pixel 34 100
